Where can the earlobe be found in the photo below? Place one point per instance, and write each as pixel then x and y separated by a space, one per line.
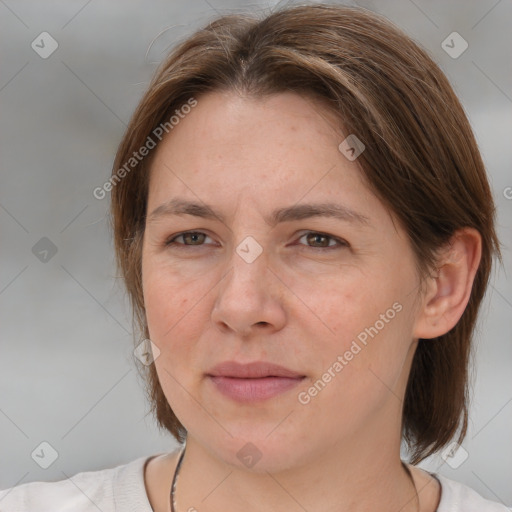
pixel 449 288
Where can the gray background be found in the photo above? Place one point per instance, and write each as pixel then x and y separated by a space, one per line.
pixel 67 372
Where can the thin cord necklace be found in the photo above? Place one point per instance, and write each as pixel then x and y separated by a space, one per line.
pixel 177 470
pixel 175 477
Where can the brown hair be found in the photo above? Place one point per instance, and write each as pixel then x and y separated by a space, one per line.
pixel 421 160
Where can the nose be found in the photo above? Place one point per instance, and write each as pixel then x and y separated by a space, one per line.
pixel 249 298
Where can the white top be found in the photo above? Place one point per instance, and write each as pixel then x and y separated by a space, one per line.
pixel 122 489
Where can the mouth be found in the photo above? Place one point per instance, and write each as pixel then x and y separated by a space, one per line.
pixel 253 382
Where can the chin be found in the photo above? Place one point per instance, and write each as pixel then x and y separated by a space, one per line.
pixel 258 453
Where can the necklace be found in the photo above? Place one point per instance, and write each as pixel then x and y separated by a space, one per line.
pixel 180 460
pixel 175 477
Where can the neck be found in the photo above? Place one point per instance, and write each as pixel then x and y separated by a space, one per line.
pixel 335 480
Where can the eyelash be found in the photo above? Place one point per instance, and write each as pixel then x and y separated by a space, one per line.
pixel 341 243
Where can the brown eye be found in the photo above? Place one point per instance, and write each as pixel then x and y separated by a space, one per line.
pixel 323 241
pixel 190 238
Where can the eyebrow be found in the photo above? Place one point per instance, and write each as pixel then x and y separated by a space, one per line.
pixel 178 206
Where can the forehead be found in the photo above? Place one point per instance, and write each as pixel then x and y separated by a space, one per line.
pixel 285 145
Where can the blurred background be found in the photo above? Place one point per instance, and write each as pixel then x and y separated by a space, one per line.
pixel 71 75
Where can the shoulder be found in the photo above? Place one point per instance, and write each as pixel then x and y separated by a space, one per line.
pixel 113 489
pixel 456 497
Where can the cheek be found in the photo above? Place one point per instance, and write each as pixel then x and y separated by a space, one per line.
pixel 362 339
pixel 174 315
pixel 173 308
pixel 173 318
pixel 338 313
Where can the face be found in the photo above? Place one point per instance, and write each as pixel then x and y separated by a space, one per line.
pixel 328 295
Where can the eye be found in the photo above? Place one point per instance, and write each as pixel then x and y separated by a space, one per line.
pixel 194 237
pixel 323 240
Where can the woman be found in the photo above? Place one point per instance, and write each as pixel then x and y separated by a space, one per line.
pixel 306 240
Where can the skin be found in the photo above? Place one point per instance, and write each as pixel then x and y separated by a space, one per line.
pixel 300 303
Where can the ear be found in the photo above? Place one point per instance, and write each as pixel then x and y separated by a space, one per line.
pixel 449 288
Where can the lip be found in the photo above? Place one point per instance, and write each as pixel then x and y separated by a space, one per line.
pixel 252 382
pixel 254 370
